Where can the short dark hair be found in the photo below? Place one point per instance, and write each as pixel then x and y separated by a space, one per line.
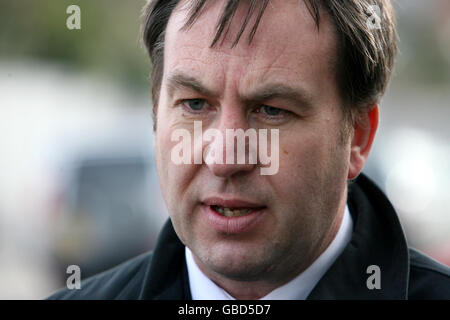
pixel 366 48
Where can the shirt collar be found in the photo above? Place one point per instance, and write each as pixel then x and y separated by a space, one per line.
pixel 202 288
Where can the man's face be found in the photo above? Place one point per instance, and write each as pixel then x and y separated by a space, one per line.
pixel 298 208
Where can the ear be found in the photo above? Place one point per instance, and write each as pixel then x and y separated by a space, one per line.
pixel 363 136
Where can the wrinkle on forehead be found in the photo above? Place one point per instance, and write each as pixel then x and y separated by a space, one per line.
pixel 286 44
pixel 212 10
pixel 293 19
pixel 243 10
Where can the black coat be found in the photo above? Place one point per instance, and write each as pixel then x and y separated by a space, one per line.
pixel 377 239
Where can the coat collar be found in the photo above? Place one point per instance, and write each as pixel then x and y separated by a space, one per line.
pixel 166 277
pixel 377 239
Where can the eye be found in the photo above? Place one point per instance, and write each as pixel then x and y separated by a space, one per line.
pixel 271 111
pixel 272 115
pixel 194 104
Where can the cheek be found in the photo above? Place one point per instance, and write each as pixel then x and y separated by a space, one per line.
pixel 299 158
pixel 161 162
pixel 174 179
pixel 308 164
pixel 311 170
pixel 163 146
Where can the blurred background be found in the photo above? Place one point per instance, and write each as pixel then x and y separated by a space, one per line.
pixel 77 177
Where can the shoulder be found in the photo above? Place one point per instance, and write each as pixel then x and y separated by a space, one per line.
pixel 428 279
pixel 121 282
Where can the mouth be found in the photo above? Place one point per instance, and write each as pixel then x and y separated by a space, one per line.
pixel 232 207
pixel 232 212
pixel 232 216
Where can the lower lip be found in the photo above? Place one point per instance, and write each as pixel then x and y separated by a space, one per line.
pixel 233 225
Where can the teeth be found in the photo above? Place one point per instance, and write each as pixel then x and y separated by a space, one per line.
pixel 227 212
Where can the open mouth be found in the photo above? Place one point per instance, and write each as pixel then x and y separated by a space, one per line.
pixel 233 215
pixel 233 212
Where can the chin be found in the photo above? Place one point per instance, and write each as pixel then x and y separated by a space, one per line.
pixel 242 273
pixel 239 265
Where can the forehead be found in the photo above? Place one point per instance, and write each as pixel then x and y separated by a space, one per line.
pixel 287 43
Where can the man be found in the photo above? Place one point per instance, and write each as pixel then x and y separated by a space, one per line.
pixel 314 71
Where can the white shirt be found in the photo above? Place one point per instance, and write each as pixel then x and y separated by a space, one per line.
pixel 202 288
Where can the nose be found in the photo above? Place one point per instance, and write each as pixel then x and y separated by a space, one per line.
pixel 235 144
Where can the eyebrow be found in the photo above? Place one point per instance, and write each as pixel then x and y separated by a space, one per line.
pixel 298 96
pixel 183 81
